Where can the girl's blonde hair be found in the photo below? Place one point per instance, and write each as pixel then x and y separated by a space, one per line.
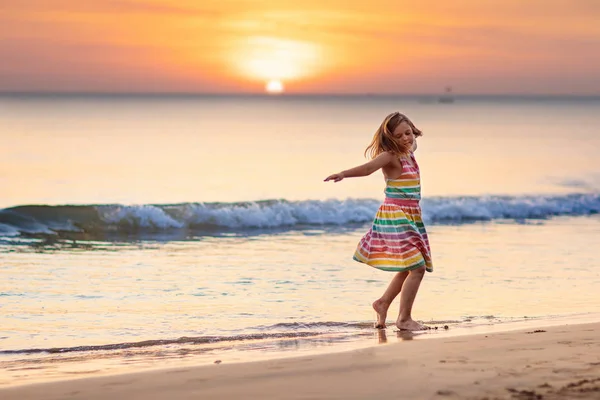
pixel 384 139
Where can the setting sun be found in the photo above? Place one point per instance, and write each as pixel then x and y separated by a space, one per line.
pixel 274 87
pixel 274 59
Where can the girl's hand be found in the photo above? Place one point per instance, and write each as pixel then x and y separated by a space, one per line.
pixel 335 177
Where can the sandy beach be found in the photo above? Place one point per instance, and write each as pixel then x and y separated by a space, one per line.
pixel 560 362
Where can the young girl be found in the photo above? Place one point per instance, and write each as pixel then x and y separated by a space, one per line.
pixel 397 240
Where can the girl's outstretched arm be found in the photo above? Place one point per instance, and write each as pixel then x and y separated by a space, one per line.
pixel 363 170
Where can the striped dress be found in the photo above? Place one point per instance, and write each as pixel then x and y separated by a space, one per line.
pixel 397 240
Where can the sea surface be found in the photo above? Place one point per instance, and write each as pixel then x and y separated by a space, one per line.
pixel 141 232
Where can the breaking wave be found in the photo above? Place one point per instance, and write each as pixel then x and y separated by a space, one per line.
pixel 211 218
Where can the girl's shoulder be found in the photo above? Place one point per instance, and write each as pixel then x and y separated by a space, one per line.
pixel 389 156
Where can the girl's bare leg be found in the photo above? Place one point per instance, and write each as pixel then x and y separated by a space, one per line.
pixel 382 304
pixel 407 299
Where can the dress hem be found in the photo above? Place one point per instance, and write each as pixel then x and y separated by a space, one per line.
pixel 394 269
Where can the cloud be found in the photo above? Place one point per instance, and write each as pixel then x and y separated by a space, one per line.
pixel 163 8
pixel 110 6
pixel 590 183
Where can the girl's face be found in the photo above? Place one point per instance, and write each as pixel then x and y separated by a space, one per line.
pixel 404 134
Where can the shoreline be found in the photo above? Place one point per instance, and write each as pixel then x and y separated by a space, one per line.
pixel 82 364
pixel 559 360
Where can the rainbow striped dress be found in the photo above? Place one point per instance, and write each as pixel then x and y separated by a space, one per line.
pixel 397 240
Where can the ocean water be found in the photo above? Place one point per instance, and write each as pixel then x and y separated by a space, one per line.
pixel 139 232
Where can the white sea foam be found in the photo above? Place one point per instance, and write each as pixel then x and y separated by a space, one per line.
pixel 283 213
pixel 273 214
pixel 143 216
pixel 439 210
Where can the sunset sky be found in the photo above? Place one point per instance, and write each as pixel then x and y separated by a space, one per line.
pixel 311 46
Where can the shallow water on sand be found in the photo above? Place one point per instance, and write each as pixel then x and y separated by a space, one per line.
pixel 133 303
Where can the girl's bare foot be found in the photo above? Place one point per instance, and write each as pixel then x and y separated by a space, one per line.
pixel 410 325
pixel 380 308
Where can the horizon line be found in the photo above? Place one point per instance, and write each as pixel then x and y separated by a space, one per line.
pixel 294 94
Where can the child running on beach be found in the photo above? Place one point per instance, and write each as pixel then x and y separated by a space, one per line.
pixel 397 240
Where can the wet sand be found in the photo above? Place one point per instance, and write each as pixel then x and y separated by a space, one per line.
pixel 559 362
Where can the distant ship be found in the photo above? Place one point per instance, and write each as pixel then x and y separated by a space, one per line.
pixel 447 97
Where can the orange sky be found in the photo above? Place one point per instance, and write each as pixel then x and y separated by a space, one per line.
pixel 325 46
